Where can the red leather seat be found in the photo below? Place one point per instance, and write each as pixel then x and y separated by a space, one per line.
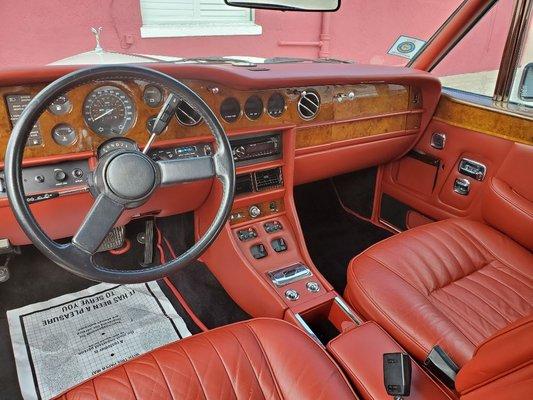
pixel 257 359
pixel 451 283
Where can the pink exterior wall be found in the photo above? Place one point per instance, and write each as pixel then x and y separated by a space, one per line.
pixel 40 32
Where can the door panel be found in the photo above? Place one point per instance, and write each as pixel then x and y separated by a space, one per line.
pixel 501 142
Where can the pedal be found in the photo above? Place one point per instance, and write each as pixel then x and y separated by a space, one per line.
pixel 4 267
pixel 114 239
pixel 149 242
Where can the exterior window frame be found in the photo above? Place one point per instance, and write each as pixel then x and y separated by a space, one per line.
pixel 200 28
pixel 516 38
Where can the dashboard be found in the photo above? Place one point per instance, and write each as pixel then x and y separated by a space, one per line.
pixel 288 124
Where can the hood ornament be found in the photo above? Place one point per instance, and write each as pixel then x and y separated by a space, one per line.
pixel 96 32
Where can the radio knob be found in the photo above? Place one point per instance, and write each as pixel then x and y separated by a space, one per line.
pixel 254 211
pixel 60 175
pixel 240 151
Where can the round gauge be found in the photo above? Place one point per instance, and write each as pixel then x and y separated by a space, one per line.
pixel 230 109
pixel 116 144
pixel 60 106
pixel 109 111
pixel 64 134
pixel 152 95
pixel 253 108
pixel 276 104
pixel 187 115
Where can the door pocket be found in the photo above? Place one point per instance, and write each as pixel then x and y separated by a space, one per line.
pixel 418 172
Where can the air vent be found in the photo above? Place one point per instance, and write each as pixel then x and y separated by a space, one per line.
pixel 268 179
pixel 308 105
pixel 243 184
pixel 187 115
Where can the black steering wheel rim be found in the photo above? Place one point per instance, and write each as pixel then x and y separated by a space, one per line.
pixel 70 256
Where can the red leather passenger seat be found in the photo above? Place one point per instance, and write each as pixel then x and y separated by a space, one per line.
pixel 451 283
pixel 257 359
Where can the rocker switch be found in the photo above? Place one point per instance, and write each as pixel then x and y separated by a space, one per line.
pixel 258 251
pixel 279 245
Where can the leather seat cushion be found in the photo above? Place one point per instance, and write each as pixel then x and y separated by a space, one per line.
pixel 451 283
pixel 256 359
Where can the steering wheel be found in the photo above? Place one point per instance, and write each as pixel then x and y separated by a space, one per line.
pixel 122 179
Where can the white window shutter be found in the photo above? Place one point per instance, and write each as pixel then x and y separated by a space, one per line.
pixel 166 18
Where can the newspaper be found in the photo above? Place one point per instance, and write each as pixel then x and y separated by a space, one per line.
pixel 62 342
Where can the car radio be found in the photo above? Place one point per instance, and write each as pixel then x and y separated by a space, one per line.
pixel 251 149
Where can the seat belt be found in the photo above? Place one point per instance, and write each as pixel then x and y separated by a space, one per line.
pixel 442 366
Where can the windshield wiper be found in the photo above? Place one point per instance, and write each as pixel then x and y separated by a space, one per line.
pixel 288 60
pixel 217 60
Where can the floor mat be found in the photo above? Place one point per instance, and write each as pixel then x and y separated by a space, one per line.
pixel 61 342
pixel 332 235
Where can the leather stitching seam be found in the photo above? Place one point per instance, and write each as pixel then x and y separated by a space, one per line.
pixel 487 248
pixel 223 365
pixel 508 201
pixel 503 283
pixel 249 362
pixel 162 374
pixel 384 314
pixel 470 291
pixel 467 337
pixel 263 353
pixel 195 372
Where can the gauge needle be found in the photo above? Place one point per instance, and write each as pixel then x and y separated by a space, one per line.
pixel 104 114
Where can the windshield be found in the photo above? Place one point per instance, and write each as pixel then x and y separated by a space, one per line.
pixel 382 32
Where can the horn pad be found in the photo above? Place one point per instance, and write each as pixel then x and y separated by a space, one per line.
pixel 131 176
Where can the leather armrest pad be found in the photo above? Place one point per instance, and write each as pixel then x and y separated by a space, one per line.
pixel 360 352
pixel 509 212
pixel 504 353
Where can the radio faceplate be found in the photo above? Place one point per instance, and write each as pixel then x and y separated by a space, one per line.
pixel 256 148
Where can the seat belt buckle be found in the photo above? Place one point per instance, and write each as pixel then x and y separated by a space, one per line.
pixel 397 374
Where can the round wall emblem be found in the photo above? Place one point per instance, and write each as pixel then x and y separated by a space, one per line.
pixel 405 47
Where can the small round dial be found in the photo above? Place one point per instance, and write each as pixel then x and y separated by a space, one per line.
pixel 60 106
pixel 152 95
pixel 230 109
pixel 64 135
pixel 109 111
pixel 253 108
pixel 276 105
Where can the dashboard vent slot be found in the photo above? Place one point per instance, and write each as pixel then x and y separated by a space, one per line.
pixel 308 105
pixel 243 184
pixel 268 179
pixel 187 115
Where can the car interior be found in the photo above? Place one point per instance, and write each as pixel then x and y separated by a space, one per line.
pixel 324 230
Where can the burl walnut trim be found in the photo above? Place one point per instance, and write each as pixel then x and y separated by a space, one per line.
pixel 484 120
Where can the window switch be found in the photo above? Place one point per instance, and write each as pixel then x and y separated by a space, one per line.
pixel 246 234
pixel 272 226
pixel 279 245
pixel 258 251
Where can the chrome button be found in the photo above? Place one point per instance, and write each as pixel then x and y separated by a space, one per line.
pixel 292 294
pixel 313 287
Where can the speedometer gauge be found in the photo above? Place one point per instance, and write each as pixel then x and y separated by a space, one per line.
pixel 109 111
